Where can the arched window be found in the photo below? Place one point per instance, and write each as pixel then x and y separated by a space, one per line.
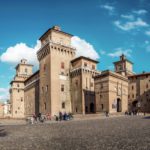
pixel 63 105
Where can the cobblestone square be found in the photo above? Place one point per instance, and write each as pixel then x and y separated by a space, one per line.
pixel 113 133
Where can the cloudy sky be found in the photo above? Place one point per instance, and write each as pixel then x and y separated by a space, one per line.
pixel 102 29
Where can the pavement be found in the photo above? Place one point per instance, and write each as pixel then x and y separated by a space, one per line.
pixel 105 133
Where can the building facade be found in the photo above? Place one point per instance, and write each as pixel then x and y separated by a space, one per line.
pixel 66 83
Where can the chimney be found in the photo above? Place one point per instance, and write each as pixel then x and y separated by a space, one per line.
pixel 56 28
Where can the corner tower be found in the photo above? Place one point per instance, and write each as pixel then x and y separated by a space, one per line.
pixel 124 66
pixel 23 71
pixel 54 58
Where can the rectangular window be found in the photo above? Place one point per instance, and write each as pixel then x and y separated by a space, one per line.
pixel 62 87
pixel 45 105
pixel 85 64
pixel 44 67
pixel 26 70
pixel 62 65
pixel 101 86
pixel 132 87
pixel 93 67
pixel 102 106
pixel 63 105
pixel 76 82
pixel 132 95
pixel 42 89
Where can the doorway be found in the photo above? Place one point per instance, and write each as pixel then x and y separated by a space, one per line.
pixel 92 110
pixel 118 105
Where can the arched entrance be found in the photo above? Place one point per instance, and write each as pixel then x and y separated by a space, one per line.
pixel 118 105
pixel 135 105
pixel 92 108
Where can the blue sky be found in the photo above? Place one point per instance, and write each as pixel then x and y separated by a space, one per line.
pixel 106 28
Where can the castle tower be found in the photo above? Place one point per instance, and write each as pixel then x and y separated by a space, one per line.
pixel 23 71
pixel 124 66
pixel 82 71
pixel 54 58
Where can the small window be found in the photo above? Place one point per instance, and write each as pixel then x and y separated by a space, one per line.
pixel 63 105
pixel 17 85
pixel 93 67
pixel 76 82
pixel 62 65
pixel 62 73
pixel 26 70
pixel 18 91
pixel 132 95
pixel 147 86
pixel 92 84
pixel 21 99
pixel 102 106
pixel 132 87
pixel 62 88
pixel 42 89
pixel 18 108
pixel 85 64
pixel 45 105
pixel 44 67
pixel 128 96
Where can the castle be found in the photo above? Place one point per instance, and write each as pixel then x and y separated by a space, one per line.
pixel 73 84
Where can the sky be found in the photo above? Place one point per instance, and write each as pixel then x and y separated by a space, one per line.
pixel 102 29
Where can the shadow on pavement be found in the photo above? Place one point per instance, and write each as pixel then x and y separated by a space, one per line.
pixel 3 133
pixel 147 117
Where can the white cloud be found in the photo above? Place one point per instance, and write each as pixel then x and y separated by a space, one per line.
pixel 146 42
pixel 140 12
pixel 15 53
pixel 84 48
pixel 131 24
pixel 130 17
pixel 109 8
pixel 120 51
pixel 102 52
pixel 147 33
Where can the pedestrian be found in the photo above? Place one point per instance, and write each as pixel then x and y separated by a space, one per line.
pixel 60 116
pixel 32 120
pixel 107 115
pixel 39 116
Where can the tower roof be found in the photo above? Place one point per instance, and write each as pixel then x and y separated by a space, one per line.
pixel 86 58
pixel 56 29
pixel 122 59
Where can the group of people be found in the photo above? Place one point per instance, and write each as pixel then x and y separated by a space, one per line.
pixel 41 118
pixel 131 113
pixel 64 116
pixel 38 118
